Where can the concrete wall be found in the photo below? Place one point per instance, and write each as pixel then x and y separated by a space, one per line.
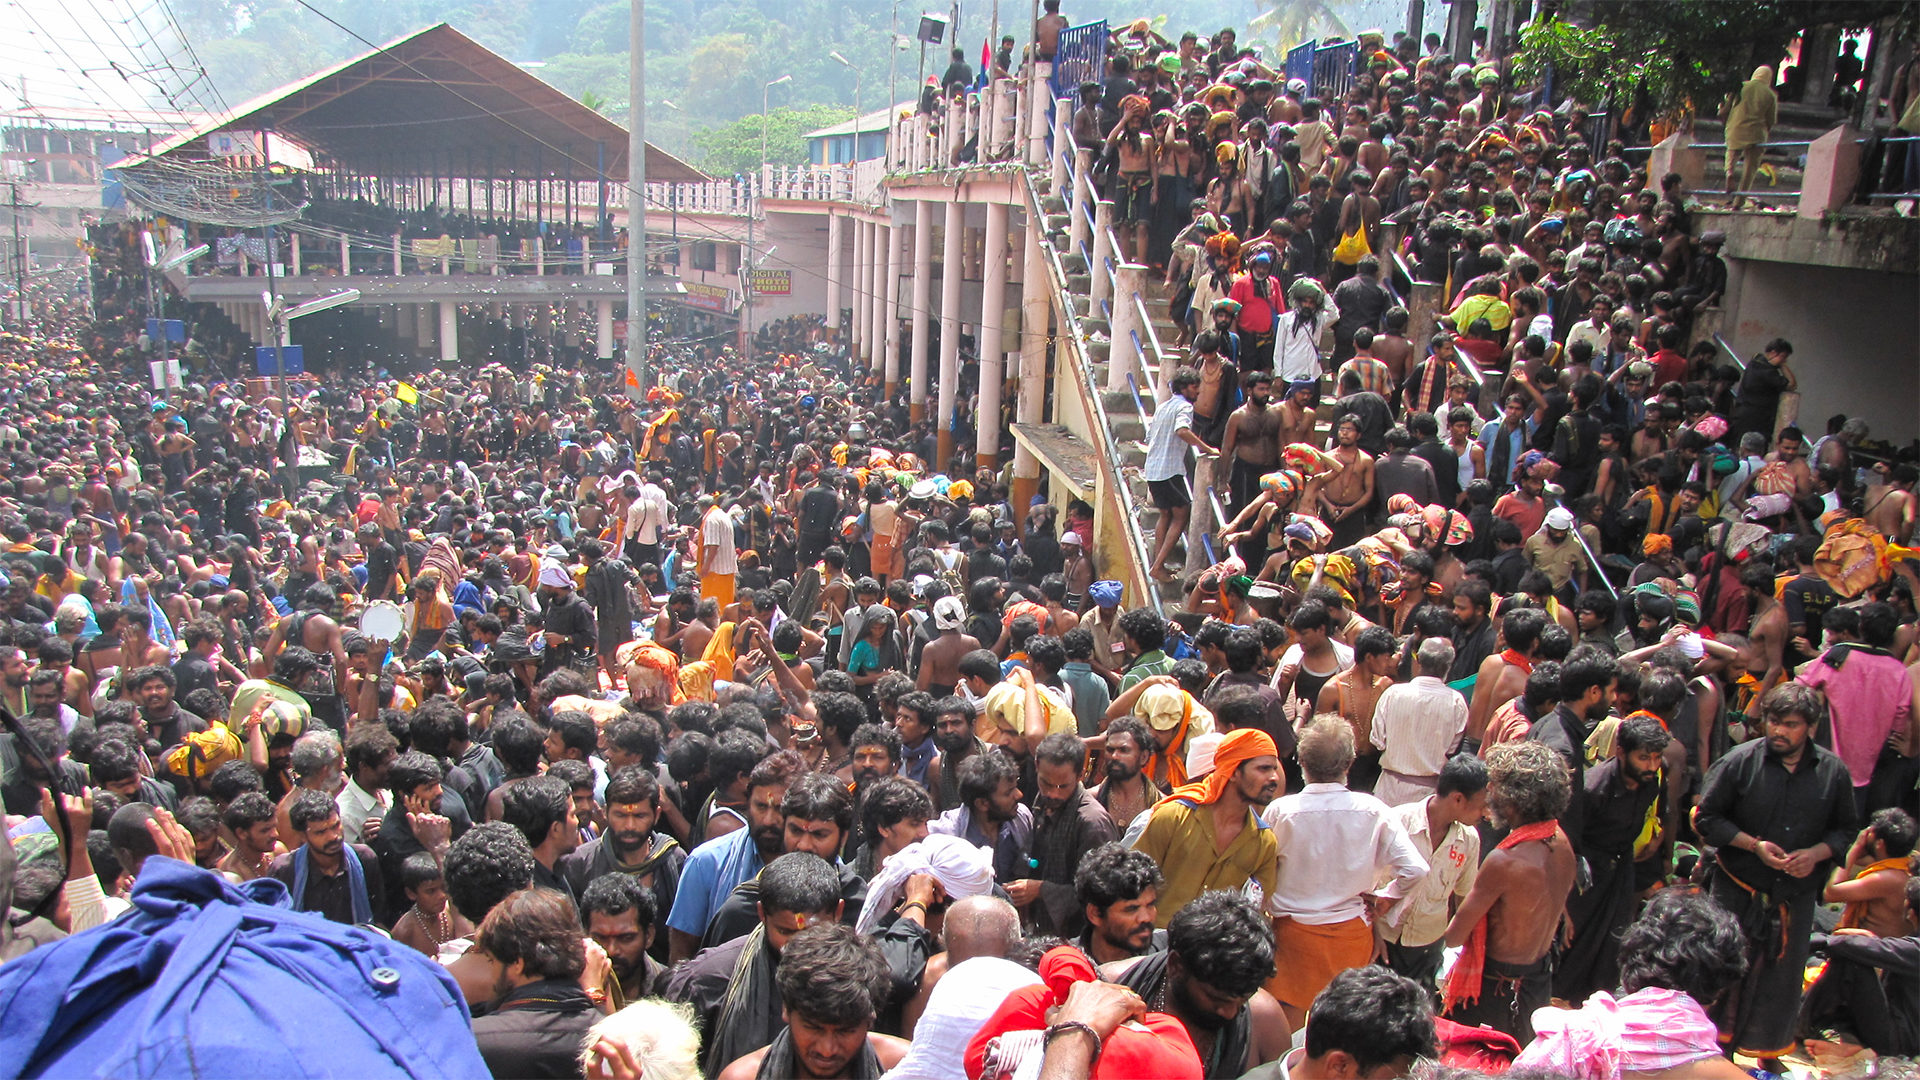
pixel 1854 335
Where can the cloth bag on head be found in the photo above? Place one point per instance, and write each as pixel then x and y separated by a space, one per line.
pixel 203 977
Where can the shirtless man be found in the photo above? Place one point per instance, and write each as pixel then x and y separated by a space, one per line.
pixel 1252 442
pixel 940 659
pixel 1521 891
pixel 1391 346
pixel 1296 414
pixel 698 633
pixel 670 626
pixel 1503 675
pixel 1046 31
pixel 1768 631
pixel 1890 508
pixel 1346 494
pixel 1792 452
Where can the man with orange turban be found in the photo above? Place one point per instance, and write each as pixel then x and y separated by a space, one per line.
pixel 1208 834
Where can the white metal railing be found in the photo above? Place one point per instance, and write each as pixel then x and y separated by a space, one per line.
pixel 1106 448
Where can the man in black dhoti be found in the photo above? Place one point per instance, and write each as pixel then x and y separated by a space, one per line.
pixel 1778 809
pixel 1619 794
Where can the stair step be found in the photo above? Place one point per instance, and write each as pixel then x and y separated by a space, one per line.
pixel 1058 222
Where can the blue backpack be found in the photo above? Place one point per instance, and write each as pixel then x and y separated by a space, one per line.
pixel 205 978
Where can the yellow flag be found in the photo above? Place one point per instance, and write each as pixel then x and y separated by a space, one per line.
pixel 406 393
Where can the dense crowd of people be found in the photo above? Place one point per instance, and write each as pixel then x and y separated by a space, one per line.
pixel 1549 706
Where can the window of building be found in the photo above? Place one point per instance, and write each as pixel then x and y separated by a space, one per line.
pixel 705 256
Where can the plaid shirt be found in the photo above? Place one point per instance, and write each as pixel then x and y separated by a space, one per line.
pixel 1375 376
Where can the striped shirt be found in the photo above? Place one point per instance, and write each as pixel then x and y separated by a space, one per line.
pixel 1375 376
pixel 716 532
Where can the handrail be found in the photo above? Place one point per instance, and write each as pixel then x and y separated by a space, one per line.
pixel 1133 387
pixel 1153 339
pixel 1738 360
pixel 1102 425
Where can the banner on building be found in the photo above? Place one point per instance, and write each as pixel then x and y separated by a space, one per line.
pixel 710 297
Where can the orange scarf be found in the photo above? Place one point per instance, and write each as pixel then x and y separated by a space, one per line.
pixel 1463 982
pixel 1238 746
pixel 1854 915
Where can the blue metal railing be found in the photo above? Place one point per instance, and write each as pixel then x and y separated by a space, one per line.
pixel 1300 62
pixel 1334 69
pixel 1738 360
pixel 1080 57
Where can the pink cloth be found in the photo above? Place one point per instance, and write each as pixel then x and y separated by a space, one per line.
pixel 1869 696
pixel 1646 1031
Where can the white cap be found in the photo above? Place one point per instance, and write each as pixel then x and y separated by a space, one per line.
pixel 1560 519
pixel 1200 751
pixel 949 613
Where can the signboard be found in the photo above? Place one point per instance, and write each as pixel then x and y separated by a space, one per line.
pixel 166 376
pixel 771 282
pixel 234 144
pixel 266 363
pixel 710 297
pixel 176 330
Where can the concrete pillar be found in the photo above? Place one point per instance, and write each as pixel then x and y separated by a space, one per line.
pixel 861 255
pixel 1041 99
pixel 1833 169
pixel 396 255
pixel 950 275
pixel 834 242
pixel 1123 355
pixel 1460 19
pixel 604 340
pixel 449 332
pixel 1060 174
pixel 922 306
pixel 993 302
pixel 1080 202
pixel 1819 55
pixel 1102 286
pixel 539 256
pixel 1425 302
pixel 346 257
pixel 890 307
pixel 989 119
pixel 1036 315
pixel 293 253
pixel 1677 154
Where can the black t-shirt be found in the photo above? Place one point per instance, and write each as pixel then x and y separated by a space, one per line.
pixel 382 561
pixel 194 672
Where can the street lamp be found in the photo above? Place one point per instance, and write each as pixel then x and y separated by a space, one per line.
pixel 765 91
pixel 848 64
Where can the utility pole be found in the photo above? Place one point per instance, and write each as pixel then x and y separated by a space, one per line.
pixel 635 379
pixel 19 320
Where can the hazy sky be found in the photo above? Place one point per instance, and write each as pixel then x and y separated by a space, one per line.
pixel 108 54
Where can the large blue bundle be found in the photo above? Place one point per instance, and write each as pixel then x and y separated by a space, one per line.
pixel 204 978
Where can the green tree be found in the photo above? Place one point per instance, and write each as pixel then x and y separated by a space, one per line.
pixel 1683 53
pixel 1291 22
pixel 735 147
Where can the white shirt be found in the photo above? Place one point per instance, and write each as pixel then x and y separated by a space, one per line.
pixel 716 532
pixel 1166 450
pixel 1335 846
pixel 1417 724
pixel 356 806
pixel 1421 917
pixel 1296 348
pixel 648 514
